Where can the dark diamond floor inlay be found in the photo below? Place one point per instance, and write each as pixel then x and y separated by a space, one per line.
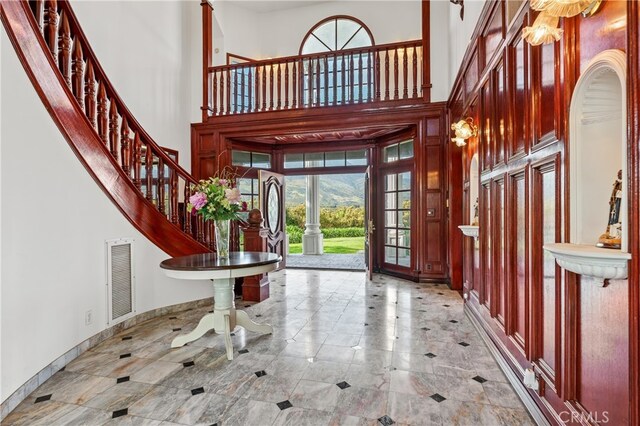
pixel 127 338
pixel 122 379
pixel 243 351
pixel 479 379
pixel 453 321
pixel 465 344
pixel 284 405
pixel 446 306
pixel 120 413
pixel 43 398
pixel 260 373
pixel 385 421
pixel 125 356
pixel 430 355
pixel 177 329
pixel 173 317
pixel 419 297
pixel 343 385
pixel 371 307
pixel 425 328
pixel 188 364
pixel 197 391
pixel 437 397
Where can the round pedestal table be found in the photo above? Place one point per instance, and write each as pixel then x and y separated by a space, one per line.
pixel 223 273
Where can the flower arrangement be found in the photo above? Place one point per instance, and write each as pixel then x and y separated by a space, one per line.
pixel 216 199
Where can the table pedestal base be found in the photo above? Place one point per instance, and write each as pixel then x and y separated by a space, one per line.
pixel 224 318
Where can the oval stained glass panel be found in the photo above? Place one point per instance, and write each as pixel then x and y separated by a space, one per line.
pixel 273 208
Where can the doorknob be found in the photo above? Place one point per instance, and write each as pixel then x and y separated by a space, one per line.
pixel 371 227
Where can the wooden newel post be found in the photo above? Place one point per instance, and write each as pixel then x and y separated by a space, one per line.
pixel 207 57
pixel 256 287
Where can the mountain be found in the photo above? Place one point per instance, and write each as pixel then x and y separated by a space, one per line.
pixel 335 190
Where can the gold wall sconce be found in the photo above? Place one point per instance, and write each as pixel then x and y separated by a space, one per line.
pixel 545 28
pixel 464 129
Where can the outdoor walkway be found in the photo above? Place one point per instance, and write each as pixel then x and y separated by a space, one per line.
pixel 349 262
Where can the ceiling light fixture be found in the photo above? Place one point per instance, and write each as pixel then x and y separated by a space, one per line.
pixel 545 28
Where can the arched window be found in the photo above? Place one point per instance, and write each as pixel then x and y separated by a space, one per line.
pixel 336 33
pixel 333 77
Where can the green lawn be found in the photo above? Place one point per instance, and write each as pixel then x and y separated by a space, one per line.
pixel 335 245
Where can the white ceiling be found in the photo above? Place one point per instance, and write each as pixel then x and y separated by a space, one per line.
pixel 262 6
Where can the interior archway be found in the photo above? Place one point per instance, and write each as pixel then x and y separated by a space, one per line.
pixel 598 146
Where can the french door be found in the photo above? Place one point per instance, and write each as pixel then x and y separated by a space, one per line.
pixel 369 226
pixel 395 200
pixel 273 211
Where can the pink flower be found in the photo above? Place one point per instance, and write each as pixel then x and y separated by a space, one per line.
pixel 244 206
pixel 232 195
pixel 198 200
pixel 223 182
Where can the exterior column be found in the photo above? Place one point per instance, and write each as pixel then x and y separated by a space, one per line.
pixel 312 237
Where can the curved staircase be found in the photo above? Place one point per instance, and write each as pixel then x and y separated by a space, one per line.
pixel 139 177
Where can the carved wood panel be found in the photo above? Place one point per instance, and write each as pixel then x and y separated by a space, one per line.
pixel 486 246
pixel 546 283
pixel 518 277
pixel 499 293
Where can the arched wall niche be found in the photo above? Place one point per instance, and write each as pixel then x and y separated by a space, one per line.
pixel 474 182
pixel 598 146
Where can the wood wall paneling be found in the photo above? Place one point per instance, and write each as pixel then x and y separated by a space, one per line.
pixel 501 113
pixel 519 272
pixel 517 75
pixel 633 117
pixel 546 272
pixel 499 280
pixel 570 329
pixel 486 246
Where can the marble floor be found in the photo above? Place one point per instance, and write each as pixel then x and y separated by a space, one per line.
pixel 344 351
pixel 348 262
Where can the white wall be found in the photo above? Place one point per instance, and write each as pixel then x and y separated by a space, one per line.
pixel 240 29
pixel 281 32
pixel 257 34
pixel 55 218
pixel 440 47
pixel 460 32
pixel 144 47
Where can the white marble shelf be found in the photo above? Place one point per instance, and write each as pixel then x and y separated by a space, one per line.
pixel 583 259
pixel 470 230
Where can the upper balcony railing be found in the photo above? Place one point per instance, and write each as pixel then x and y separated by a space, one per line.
pixel 376 74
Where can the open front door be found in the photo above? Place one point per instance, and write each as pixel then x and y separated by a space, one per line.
pixel 369 227
pixel 273 211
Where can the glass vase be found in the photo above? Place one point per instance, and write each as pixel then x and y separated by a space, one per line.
pixel 223 228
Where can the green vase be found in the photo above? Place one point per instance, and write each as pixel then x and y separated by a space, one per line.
pixel 223 229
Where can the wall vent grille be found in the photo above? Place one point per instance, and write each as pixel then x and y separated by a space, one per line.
pixel 120 280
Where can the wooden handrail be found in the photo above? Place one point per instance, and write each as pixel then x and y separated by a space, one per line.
pixel 140 178
pixel 350 76
pixel 283 59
